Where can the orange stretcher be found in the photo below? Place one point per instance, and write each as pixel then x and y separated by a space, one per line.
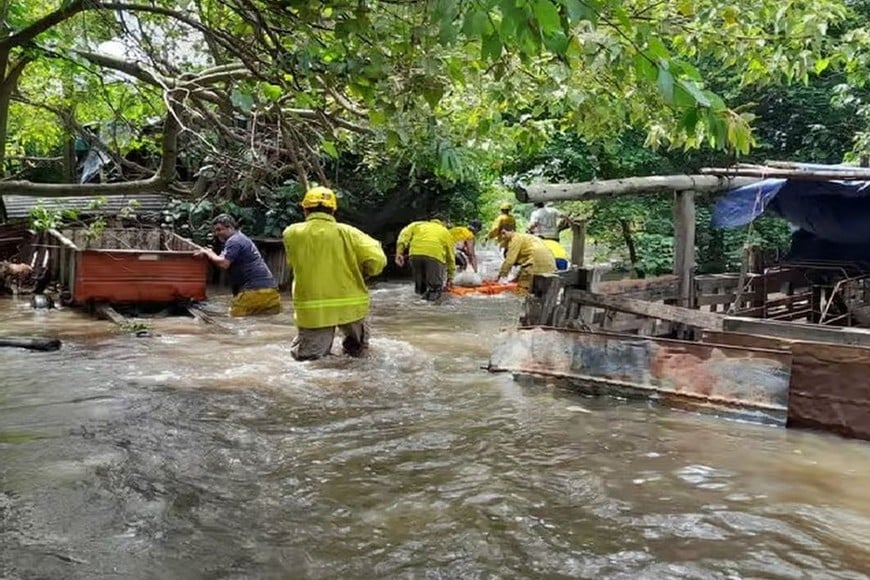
pixel 485 288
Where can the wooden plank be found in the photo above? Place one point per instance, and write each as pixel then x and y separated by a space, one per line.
pixel 797 331
pixel 578 243
pixel 684 244
pixel 744 340
pixel 829 389
pixel 856 174
pixel 109 313
pixel 551 299
pixel 678 314
pixel 653 289
pixel 629 186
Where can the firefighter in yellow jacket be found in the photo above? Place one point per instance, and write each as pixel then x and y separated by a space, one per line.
pixel 330 263
pixel 431 254
pixel 503 219
pixel 529 253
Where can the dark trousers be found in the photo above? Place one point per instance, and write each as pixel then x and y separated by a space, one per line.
pixel 429 275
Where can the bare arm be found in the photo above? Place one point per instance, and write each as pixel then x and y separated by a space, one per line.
pixel 215 259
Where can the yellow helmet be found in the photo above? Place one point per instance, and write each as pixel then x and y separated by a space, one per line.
pixel 320 196
pixel 506 206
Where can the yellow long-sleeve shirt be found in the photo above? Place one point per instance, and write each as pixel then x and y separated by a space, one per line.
pixel 502 220
pixel 428 239
pixel 526 250
pixel 330 263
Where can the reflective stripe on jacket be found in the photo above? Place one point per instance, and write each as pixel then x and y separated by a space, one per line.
pixel 330 263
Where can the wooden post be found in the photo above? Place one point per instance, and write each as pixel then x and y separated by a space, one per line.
pixel 684 244
pixel 578 244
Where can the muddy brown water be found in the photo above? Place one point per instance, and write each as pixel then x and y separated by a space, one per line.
pixel 198 453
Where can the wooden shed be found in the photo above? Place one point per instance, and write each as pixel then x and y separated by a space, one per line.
pixel 122 266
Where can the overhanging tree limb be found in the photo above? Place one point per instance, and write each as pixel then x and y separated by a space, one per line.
pixel 45 23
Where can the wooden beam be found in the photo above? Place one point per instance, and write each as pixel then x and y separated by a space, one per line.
pixel 686 316
pixel 610 188
pixel 578 243
pixel 857 174
pixel 684 244
pixel 797 331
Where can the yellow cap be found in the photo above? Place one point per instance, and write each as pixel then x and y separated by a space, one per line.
pixel 506 206
pixel 320 196
pixel 437 221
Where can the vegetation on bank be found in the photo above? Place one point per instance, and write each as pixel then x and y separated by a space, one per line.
pixel 415 108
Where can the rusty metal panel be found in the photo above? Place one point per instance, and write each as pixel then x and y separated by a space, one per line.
pixel 138 277
pixel 830 388
pixel 750 382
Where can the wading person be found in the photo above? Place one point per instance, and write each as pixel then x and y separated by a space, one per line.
pixel 529 253
pixel 463 240
pixel 254 289
pixel 502 220
pixel 431 254
pixel 331 262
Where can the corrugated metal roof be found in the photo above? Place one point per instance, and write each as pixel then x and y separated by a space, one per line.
pixel 19 206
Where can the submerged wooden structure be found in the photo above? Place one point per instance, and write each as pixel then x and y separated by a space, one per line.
pixel 780 344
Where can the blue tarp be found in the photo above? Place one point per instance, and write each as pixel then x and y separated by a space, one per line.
pixel 834 211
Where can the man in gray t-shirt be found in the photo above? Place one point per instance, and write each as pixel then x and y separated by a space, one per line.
pixel 544 222
pixel 254 287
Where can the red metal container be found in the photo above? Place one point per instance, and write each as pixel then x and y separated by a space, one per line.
pixel 130 266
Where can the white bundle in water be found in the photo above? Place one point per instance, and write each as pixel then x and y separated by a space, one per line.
pixel 467 279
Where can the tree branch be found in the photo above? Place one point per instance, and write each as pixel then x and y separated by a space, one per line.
pixel 128 68
pixel 45 23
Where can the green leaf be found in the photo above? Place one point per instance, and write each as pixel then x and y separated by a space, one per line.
pixel 666 85
pixel 682 98
pixel 547 16
pixel 821 65
pixel 692 89
pixel 490 47
pixel 329 148
pixel 377 117
pixel 577 10
pixel 689 120
pixel 272 92
pixel 556 42
pixel 433 92
pixel 657 50
pixel 476 24
pixel 644 68
pixel 243 101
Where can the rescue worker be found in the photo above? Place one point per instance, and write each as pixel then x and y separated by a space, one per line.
pixel 503 219
pixel 544 222
pixel 463 240
pixel 254 289
pixel 559 253
pixel 431 254
pixel 529 253
pixel 331 262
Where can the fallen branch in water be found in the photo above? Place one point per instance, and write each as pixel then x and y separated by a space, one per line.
pixel 30 343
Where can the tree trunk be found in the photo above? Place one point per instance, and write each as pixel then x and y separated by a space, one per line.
pixel 625 225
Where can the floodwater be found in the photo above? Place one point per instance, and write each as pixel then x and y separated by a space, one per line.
pixel 203 452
